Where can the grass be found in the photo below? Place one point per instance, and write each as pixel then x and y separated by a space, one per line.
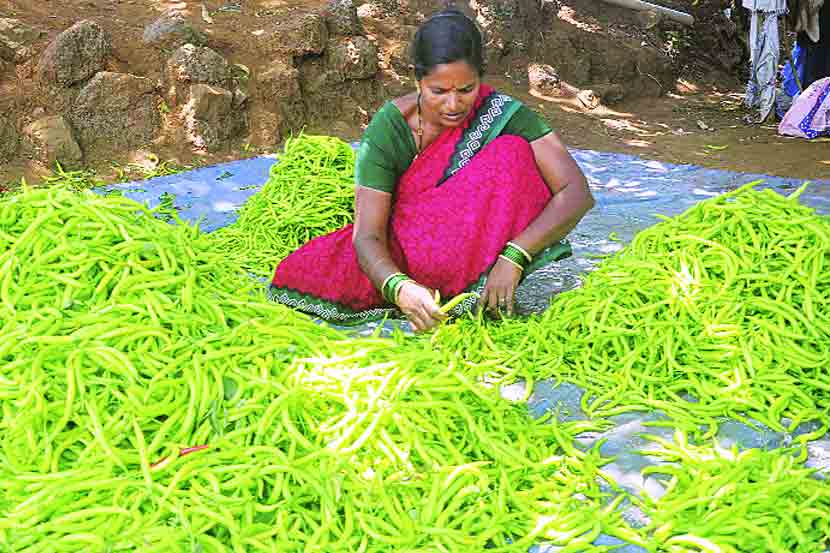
pixel 137 171
pixel 85 179
pixel 78 179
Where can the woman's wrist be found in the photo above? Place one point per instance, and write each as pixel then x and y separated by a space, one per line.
pixel 509 261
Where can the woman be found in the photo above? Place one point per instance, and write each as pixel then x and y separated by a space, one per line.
pixel 457 188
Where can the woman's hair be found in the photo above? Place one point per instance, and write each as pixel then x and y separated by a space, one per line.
pixel 446 37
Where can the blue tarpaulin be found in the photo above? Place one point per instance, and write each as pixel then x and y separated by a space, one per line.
pixel 623 184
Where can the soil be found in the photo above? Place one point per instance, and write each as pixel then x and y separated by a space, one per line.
pixel 698 121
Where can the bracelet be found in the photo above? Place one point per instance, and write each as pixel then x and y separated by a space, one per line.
pixel 514 255
pixel 522 250
pixel 392 285
pixel 501 256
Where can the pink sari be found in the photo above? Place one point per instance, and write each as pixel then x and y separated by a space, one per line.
pixel 456 206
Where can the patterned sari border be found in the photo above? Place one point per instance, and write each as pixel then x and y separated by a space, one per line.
pixel 327 310
pixel 341 315
pixel 492 116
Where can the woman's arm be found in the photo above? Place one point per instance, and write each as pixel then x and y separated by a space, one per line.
pixel 571 197
pixel 369 236
pixel 570 202
pixel 370 239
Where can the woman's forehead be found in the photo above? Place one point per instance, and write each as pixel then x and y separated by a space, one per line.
pixel 449 75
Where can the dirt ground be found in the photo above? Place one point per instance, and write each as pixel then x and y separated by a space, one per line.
pixel 697 123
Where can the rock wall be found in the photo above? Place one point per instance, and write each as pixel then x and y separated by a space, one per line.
pixel 78 103
pixel 321 68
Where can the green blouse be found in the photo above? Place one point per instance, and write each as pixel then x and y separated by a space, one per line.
pixel 388 147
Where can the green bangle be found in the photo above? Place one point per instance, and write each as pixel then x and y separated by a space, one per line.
pixel 387 279
pixel 514 255
pixel 391 285
pixel 523 251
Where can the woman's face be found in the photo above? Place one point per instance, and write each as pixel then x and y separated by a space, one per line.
pixel 448 93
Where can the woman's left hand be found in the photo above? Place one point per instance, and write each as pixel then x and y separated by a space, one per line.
pixel 500 286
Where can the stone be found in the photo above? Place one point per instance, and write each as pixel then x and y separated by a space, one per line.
pixel 171 30
pixel 211 103
pixel 280 92
pixel 193 64
pixel 509 27
pixel 316 77
pixel 75 55
pixel 609 93
pixel 117 108
pixel 16 39
pixel 297 35
pixel 240 97
pixel 353 57
pixel 341 19
pixel 53 141
pixel 544 79
pixel 9 140
pixel 381 9
pixel 280 79
pixel 587 59
pixel 199 65
pixel 722 44
pixel 211 118
pixel 369 10
pixel 397 53
pixel 322 86
pixel 269 129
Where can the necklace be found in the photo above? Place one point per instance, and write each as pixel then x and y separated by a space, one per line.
pixel 420 131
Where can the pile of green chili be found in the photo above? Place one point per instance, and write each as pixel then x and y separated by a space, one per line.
pixel 727 501
pixel 310 192
pixel 723 311
pixel 152 398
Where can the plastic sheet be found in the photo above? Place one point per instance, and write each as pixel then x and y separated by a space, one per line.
pixel 629 190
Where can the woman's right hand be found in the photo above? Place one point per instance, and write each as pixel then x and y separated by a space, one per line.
pixel 419 306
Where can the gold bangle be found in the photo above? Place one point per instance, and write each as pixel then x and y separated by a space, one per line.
pixel 521 249
pixel 522 269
